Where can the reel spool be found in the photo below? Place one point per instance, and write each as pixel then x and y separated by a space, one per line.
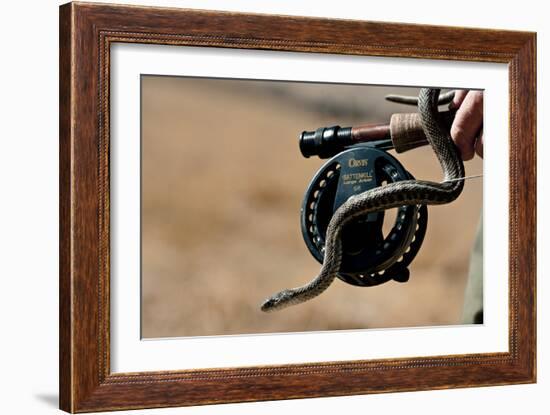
pixel 369 258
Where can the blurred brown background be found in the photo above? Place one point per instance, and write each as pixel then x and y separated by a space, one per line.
pixel 222 185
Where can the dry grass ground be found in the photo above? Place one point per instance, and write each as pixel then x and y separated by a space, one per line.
pixel 222 186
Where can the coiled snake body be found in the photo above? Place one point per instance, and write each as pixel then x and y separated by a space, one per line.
pixel 407 192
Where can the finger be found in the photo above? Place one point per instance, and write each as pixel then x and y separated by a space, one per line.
pixel 479 144
pixel 467 123
pixel 460 94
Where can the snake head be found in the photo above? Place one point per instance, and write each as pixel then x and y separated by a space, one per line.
pixel 277 301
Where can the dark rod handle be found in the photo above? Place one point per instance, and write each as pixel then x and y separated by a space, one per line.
pixel 404 131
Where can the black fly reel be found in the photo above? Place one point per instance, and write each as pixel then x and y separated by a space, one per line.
pixel 369 257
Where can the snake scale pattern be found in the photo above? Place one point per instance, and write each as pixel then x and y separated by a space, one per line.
pixel 407 192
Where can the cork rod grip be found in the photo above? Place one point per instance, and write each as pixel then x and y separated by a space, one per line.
pixel 406 130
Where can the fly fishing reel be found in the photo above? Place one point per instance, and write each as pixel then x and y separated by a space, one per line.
pixel 360 162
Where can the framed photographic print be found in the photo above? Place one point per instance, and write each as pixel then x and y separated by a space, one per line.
pixel 259 207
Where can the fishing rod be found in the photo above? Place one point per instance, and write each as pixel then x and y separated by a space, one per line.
pixel 404 132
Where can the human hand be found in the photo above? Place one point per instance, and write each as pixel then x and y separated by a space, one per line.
pixel 467 128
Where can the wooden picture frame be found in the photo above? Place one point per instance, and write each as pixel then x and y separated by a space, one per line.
pixel 86 33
